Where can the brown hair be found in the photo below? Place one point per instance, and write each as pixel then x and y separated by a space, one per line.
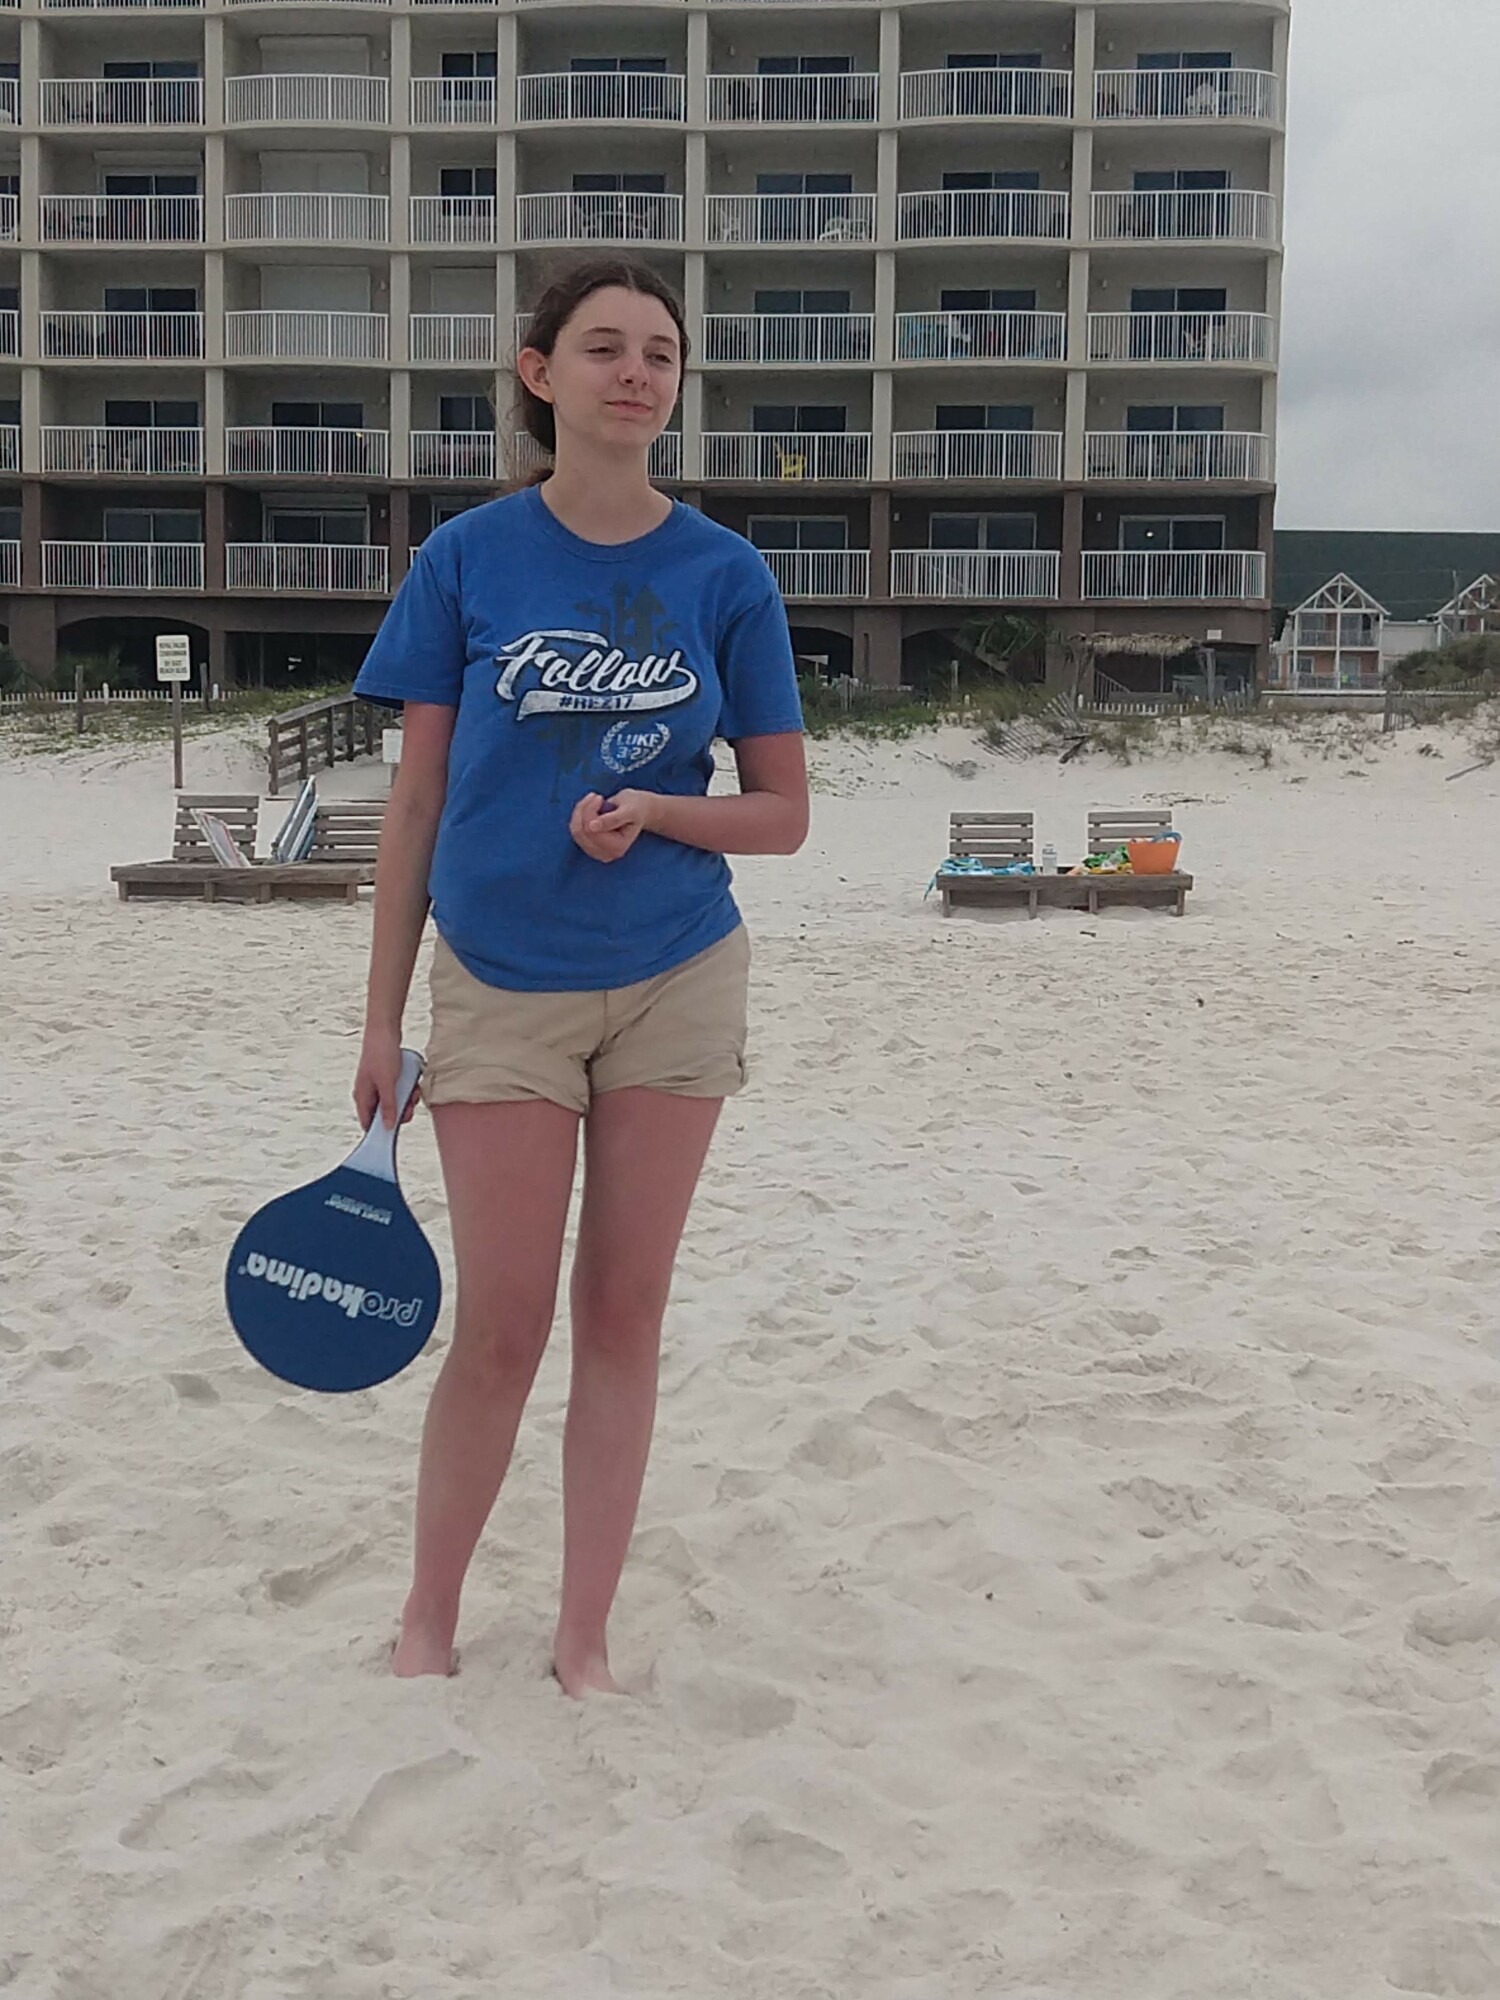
pixel 566 291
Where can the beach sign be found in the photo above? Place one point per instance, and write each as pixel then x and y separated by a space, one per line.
pixel 174 657
pixel 334 1286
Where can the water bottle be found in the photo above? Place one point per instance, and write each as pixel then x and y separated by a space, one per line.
pixel 1049 859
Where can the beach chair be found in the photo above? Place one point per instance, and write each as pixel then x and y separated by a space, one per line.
pixel 193 870
pixel 346 834
pixel 996 839
pixel 1113 826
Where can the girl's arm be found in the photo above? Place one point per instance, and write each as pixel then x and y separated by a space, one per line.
pixel 402 865
pixel 769 815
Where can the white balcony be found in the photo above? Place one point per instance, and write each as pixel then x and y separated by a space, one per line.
pixel 111 6
pixel 122 450
pixel 1172 455
pixel 789 218
pixel 336 568
pixel 461 337
pixel 307 100
pixel 840 98
pixel 10 448
pixel 10 331
pixel 122 218
pixel 1008 215
pixel 1165 576
pixel 10 565
pixel 307 218
pixel 590 96
pixel 452 218
pixel 10 100
pixel 135 100
pixel 453 455
pixel 1241 95
pixel 1182 336
pixel 783 455
pixel 779 339
pixel 987 93
pixel 280 452
pixel 10 217
pixel 976 455
pixel 983 336
pixel 122 336
pixel 999 575
pixel 820 572
pixel 599 218
pixel 1186 215
pixel 453 100
pixel 306 336
pixel 122 565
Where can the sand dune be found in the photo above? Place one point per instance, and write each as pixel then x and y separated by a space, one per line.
pixel 1068 1567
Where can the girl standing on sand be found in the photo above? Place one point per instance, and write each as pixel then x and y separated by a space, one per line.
pixel 564 658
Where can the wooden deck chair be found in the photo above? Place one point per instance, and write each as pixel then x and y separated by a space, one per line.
pixel 1113 826
pixel 239 812
pixel 996 838
pixel 347 831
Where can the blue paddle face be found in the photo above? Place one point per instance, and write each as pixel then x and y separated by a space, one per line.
pixel 334 1286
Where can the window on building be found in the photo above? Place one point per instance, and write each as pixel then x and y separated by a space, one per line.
pixel 985 417
pixel 806 301
pixel 150 298
pixel 1176 532
pixel 981 531
pixel 825 418
pixel 150 413
pixel 798 531
pixel 464 65
pixel 322 527
pixel 1174 417
pixel 618 65
pixel 152 524
pixel 614 207
pixel 465 413
pixel 466 183
pixel 322 416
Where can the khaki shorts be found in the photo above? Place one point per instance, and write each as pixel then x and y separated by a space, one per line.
pixel 683 1031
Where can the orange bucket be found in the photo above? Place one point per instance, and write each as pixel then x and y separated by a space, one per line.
pixel 1153 857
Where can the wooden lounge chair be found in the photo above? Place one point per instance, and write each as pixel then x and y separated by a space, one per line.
pixel 346 833
pixel 192 870
pixel 996 838
pixel 1113 827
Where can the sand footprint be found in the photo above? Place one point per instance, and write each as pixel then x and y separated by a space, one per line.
pixel 396 1795
pixel 772 1862
pixel 302 1585
pixel 732 1710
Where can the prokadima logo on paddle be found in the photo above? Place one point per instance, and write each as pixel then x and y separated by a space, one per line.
pixel 581 672
pixel 301 1285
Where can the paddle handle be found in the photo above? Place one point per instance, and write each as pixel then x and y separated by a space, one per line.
pixel 376 1152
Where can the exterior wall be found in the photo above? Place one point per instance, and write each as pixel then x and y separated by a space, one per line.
pixel 336 284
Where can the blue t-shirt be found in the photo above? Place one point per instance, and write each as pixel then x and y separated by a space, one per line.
pixel 577 667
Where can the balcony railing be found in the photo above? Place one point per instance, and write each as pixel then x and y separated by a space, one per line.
pixel 10 99
pixel 789 218
pixel 453 100
pixel 10 565
pixel 122 565
pixel 784 338
pixel 1181 336
pixel 1169 455
pixel 987 93
pixel 122 218
pixel 820 572
pixel 10 447
pixel 10 331
pixel 132 100
pixel 1144 576
pixel 986 336
pixel 333 567
pixel 465 337
pixel 1186 215
pixel 306 336
pixel 89 6
pixel 122 336
pixel 453 455
pixel 123 450
pixel 782 455
pixel 272 450
pixel 599 218
pixel 307 218
pixel 1000 575
pixel 10 217
pixel 976 455
pixel 307 100
pixel 1025 215
pixel 849 97
pixel 574 96
pixel 1252 94
pixel 452 218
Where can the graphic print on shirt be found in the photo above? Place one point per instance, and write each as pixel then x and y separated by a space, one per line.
pixel 573 683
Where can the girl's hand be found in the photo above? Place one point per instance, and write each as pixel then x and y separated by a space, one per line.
pixel 376 1078
pixel 608 828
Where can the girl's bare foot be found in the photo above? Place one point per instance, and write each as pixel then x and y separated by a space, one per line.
pixel 583 1673
pixel 424 1647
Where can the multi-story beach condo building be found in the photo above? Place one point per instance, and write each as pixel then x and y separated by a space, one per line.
pixel 983 296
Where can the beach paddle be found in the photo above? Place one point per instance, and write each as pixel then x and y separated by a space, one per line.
pixel 334 1286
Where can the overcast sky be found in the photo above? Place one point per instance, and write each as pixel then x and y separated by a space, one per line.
pixel 1390 377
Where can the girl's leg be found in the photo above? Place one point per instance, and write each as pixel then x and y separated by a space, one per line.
pixel 644 1150
pixel 509 1174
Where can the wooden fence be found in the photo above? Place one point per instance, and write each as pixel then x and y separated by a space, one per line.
pixel 321 734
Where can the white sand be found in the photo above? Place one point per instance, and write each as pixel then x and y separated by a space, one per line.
pixel 1070 1562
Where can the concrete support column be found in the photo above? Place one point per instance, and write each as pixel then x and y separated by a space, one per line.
pixel 1265 536
pixel 877 645
pixel 887 176
pixel 696 87
pixel 28 229
pixel 1079 284
pixel 888 109
pixel 400 421
pixel 506 190
pixel 31 72
pixel 1070 584
pixel 885 308
pixel 695 190
pixel 694 279
pixel 692 425
pixel 882 396
pixel 213 69
pixel 1075 423
pixel 33 633
pixel 215 416
pixel 214 302
pixel 398 305
pixel 400 191
pixel 31 303
pixel 214 189
pixel 880 543
pixel 1084 38
pixel 214 537
pixel 1081 185
pixel 32 530
pixel 31 420
pixel 400 532
pixel 218 654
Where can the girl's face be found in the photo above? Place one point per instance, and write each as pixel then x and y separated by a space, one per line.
pixel 614 371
